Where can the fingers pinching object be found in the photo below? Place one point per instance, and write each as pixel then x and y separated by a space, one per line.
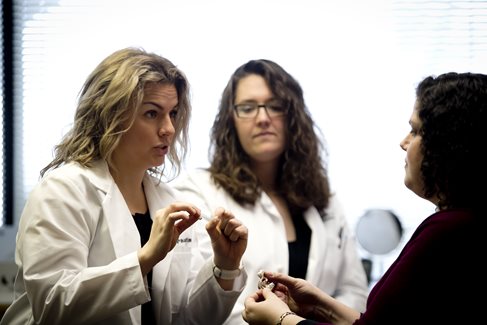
pixel 264 282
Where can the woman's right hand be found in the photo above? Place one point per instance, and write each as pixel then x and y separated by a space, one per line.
pixel 167 225
pixel 299 294
pixel 309 301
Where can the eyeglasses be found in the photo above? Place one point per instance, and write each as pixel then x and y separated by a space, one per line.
pixel 251 109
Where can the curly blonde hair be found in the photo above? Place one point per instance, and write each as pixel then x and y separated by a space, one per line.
pixel 108 102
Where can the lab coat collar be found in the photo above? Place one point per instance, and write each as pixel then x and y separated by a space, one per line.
pixel 153 192
pixel 100 176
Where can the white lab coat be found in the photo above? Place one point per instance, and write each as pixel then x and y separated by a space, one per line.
pixel 334 265
pixel 77 256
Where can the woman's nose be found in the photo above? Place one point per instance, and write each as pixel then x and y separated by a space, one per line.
pixel 404 143
pixel 262 115
pixel 166 128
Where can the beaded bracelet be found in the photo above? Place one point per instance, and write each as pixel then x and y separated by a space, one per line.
pixel 284 315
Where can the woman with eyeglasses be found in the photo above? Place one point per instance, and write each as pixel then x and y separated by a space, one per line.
pixel 267 168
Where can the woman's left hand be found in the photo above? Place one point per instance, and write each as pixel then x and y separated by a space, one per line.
pixel 228 239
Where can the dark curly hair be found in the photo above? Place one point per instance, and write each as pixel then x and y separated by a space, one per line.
pixel 452 109
pixel 302 178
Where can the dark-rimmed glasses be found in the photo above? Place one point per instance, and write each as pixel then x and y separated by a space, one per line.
pixel 250 110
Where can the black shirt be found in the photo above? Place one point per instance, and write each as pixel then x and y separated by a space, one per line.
pixel 144 225
pixel 299 249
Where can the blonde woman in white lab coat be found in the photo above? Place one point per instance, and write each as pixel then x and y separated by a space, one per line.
pixel 102 240
pixel 266 167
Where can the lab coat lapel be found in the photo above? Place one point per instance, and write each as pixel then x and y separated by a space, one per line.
pixel 316 256
pixel 158 198
pixel 123 231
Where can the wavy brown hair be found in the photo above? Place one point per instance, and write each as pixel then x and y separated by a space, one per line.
pixel 109 99
pixel 302 176
pixel 452 108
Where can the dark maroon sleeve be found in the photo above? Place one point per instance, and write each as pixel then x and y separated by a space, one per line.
pixel 436 277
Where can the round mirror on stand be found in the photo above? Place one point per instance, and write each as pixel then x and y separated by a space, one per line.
pixel 378 232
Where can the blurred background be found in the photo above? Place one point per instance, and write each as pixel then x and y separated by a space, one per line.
pixel 357 61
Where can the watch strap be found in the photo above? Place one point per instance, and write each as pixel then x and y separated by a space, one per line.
pixel 226 274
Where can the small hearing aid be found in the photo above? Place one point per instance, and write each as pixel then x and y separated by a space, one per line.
pixel 264 282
